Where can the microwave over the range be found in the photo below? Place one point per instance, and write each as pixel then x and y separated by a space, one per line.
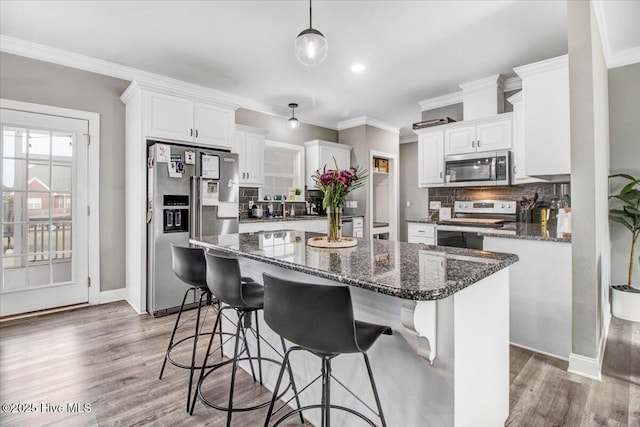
pixel 489 168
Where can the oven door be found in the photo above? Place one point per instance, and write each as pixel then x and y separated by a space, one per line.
pixel 459 237
pixel 478 169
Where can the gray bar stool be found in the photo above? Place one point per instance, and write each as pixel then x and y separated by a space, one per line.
pixel 224 281
pixel 190 267
pixel 319 319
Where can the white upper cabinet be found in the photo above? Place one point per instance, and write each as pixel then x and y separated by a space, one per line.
pixel 431 158
pixel 169 117
pixel 479 135
pixel 249 143
pixel 182 119
pixel 518 168
pixel 545 96
pixel 322 153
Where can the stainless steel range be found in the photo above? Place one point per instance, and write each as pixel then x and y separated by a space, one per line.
pixel 471 217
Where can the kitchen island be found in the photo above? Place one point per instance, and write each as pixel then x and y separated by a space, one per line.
pixel 447 363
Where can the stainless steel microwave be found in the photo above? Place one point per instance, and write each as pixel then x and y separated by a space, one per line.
pixel 477 169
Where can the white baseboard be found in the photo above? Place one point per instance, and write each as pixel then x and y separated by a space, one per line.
pixel 133 306
pixel 591 367
pixel 555 356
pixel 113 295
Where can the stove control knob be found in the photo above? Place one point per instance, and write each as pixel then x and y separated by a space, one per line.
pixel 501 205
pixel 508 205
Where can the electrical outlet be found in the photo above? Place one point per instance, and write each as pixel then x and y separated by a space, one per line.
pixel 250 204
pixel 354 203
pixel 435 205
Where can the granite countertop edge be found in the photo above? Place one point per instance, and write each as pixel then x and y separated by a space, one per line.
pixel 291 218
pixel 415 295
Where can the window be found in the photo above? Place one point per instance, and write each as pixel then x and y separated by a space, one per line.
pixel 35 203
pixel 283 167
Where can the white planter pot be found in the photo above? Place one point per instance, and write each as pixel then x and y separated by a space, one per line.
pixel 625 305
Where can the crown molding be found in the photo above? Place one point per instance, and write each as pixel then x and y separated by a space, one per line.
pixel 408 137
pixel 251 129
pixel 441 101
pixel 542 66
pixel 370 121
pixel 485 83
pixel 598 12
pixel 626 57
pixel 516 97
pixel 512 83
pixel 144 79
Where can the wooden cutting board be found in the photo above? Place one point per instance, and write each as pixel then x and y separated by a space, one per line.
pixel 475 220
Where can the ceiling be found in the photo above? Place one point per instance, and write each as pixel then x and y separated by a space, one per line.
pixel 412 50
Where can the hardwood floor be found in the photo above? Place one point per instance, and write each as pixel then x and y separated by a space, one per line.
pixel 110 357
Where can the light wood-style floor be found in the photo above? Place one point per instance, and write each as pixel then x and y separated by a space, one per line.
pixel 110 357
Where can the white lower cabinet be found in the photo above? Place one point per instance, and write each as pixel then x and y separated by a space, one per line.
pixel 422 233
pixel 358 226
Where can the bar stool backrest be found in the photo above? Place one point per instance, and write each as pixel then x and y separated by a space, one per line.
pixel 317 317
pixel 189 265
pixel 224 278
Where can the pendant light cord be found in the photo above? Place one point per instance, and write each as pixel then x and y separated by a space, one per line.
pixel 310 12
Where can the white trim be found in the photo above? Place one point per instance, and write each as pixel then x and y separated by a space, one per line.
pixel 394 219
pixel 113 295
pixel 66 58
pixel 251 129
pixel 93 174
pixel 515 98
pixel 626 57
pixel 512 83
pixel 535 350
pixel 370 121
pixel 495 80
pixel 441 101
pixel 542 66
pixel 598 12
pixel 588 366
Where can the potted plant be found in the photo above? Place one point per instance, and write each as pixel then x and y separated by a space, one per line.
pixel 625 299
pixel 299 194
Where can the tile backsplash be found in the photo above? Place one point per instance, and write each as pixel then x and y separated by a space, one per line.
pixel 546 192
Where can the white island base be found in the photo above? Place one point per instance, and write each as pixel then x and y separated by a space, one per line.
pixel 467 384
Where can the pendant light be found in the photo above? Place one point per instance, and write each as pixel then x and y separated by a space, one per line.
pixel 293 122
pixel 311 46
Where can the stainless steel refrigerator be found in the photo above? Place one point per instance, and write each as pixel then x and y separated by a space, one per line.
pixel 190 192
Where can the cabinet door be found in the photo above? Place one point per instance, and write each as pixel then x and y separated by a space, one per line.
pixel 327 156
pixel 214 126
pixel 460 140
pixel 237 146
pixel 253 154
pixel 169 117
pixel 431 159
pixel 493 135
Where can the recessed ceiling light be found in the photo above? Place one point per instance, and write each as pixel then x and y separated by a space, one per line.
pixel 357 68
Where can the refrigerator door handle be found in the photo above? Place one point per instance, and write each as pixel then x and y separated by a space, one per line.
pixel 195 182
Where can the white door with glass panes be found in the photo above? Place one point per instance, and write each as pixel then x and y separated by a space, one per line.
pixel 44 212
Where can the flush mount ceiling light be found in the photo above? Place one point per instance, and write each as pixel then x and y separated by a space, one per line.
pixel 311 46
pixel 357 68
pixel 293 122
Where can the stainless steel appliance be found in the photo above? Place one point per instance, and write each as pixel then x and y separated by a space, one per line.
pixel 347 227
pixel 190 192
pixel 475 216
pixel 478 169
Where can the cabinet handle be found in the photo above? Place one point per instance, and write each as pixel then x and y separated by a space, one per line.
pixel 248 175
pixel 515 169
pixel 190 132
pixel 473 144
pixel 196 133
pixel 478 140
pixel 440 174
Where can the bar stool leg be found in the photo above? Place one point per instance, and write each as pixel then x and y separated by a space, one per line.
pixel 293 381
pixel 246 347
pixel 375 390
pixel 206 358
pixel 258 343
pixel 234 368
pixel 175 328
pixel 195 346
pixel 327 390
pixel 220 330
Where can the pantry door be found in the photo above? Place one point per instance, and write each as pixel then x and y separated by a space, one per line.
pixel 44 212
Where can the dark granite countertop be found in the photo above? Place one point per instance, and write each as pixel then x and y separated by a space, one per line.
pixel 405 270
pixel 291 218
pixel 528 231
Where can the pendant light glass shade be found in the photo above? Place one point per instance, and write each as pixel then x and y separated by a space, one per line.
pixel 293 122
pixel 311 47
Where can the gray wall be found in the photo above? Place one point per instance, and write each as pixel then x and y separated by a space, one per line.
pixel 409 191
pixel 589 183
pixel 279 131
pixel 38 82
pixel 624 132
pixel 454 111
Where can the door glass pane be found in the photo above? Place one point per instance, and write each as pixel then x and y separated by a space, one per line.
pixel 61 206
pixel 13 239
pixel 14 142
pixel 61 267
pixel 38 240
pixel 62 146
pixel 12 206
pixel 14 176
pixel 61 236
pixel 39 271
pixel 39 176
pixel 38 206
pixel 14 272
pixel 61 178
pixel 39 146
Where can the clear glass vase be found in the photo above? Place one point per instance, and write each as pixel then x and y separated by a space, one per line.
pixel 334 224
